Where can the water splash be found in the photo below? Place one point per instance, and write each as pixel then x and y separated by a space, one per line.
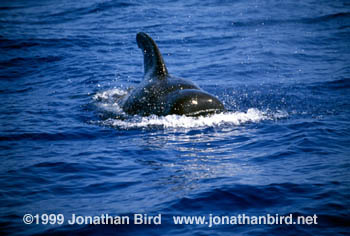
pixel 110 94
pixel 109 101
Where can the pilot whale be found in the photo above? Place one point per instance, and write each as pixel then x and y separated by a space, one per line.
pixel 163 94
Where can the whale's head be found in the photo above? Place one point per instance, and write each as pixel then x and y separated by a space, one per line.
pixel 193 102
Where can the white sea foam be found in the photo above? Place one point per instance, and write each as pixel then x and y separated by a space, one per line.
pixel 176 121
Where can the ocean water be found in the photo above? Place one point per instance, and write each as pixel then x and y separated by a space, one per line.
pixel 282 69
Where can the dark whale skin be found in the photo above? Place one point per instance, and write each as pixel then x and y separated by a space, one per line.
pixel 163 94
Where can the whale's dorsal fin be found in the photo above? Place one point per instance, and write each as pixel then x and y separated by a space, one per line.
pixel 153 61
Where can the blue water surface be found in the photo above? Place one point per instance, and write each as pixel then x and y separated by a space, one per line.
pixel 280 67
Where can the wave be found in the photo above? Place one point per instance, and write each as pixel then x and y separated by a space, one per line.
pixel 29 43
pixel 342 83
pixel 24 61
pixel 236 200
pixel 329 17
pixel 78 12
pixel 95 8
pixel 77 134
pixel 17 67
pixel 62 12
pixel 303 20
